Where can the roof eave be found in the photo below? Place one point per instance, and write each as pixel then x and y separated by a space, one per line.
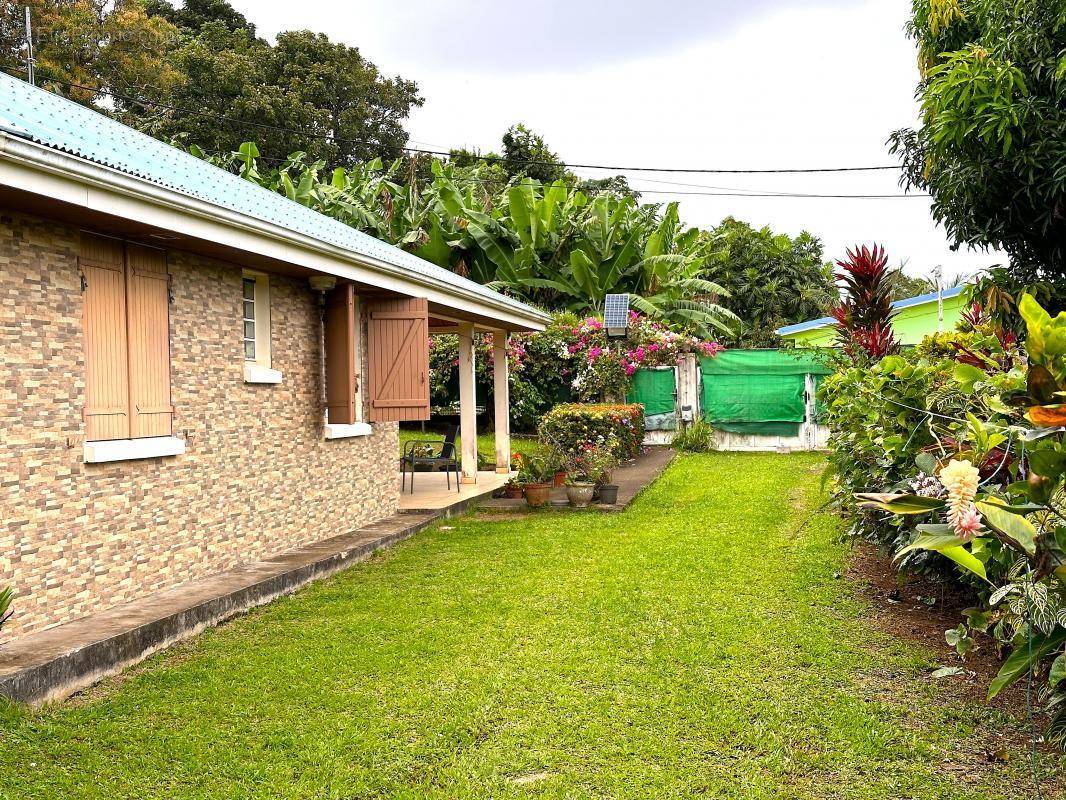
pixel 66 168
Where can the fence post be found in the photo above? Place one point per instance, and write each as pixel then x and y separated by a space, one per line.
pixel 809 412
pixel 688 387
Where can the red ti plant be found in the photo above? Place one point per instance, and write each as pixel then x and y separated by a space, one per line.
pixel 864 315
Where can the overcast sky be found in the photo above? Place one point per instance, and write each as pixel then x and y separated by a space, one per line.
pixel 671 83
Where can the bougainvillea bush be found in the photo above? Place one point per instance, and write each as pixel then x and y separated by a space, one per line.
pixel 572 428
pixel 571 360
pixel 987 497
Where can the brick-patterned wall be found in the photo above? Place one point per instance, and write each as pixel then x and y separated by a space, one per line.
pixel 258 477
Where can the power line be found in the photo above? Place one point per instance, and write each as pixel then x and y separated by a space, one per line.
pixel 447 153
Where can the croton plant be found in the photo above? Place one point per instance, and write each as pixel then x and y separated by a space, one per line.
pixel 993 501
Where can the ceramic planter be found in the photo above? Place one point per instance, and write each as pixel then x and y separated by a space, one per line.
pixel 538 494
pixel 580 494
pixel 608 495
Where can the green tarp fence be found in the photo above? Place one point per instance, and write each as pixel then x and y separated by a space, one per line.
pixel 656 390
pixel 758 391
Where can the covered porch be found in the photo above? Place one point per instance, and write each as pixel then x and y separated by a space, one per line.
pixel 478 476
pixel 433 494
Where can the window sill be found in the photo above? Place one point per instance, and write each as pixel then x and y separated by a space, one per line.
pixel 129 449
pixel 348 431
pixel 257 373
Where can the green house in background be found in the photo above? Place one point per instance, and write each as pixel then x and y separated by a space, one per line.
pixel 916 318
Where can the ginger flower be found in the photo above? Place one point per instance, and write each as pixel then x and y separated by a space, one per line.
pixel 968 524
pixel 960 478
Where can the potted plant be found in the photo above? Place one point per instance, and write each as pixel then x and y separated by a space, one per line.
pixel 587 471
pixel 560 477
pixel 536 475
pixel 579 490
pixel 605 463
pixel 512 490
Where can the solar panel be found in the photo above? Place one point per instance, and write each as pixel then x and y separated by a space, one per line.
pixel 616 312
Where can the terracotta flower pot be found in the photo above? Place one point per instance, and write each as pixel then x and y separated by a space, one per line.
pixel 560 478
pixel 580 494
pixel 538 494
pixel 608 495
pixel 513 491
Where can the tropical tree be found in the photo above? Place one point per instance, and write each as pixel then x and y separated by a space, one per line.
pixel 199 74
pixel 771 279
pixel 992 145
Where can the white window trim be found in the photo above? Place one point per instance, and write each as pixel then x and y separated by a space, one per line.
pixel 100 452
pixel 348 431
pixel 257 373
pixel 259 369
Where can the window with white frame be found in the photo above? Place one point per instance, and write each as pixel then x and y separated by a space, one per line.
pixel 255 328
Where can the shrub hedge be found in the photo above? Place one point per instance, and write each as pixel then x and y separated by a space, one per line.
pixel 571 427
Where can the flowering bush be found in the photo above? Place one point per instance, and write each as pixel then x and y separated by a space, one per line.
pixel 571 429
pixel 593 463
pixel 571 359
pixel 603 370
pixel 990 499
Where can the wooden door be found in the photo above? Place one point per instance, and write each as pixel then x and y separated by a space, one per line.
pixel 398 367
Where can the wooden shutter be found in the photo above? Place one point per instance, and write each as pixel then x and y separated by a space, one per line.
pixel 341 358
pixel 148 323
pixel 398 368
pixel 103 273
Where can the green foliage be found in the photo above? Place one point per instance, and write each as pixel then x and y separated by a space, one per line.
pixel 525 155
pixel 905 286
pixel 556 246
pixel 572 428
pixel 998 483
pixel 538 467
pixel 195 74
pixel 991 148
pixel 698 437
pixel 6 596
pixel 771 280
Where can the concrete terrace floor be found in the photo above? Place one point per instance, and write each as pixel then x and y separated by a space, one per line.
pixel 699 644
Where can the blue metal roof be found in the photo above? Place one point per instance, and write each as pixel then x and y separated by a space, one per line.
pixel 898 305
pixel 61 124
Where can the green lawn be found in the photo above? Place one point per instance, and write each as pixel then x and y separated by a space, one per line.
pixel 486 443
pixel 697 645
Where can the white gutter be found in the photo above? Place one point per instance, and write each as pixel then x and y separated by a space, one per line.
pixel 45 171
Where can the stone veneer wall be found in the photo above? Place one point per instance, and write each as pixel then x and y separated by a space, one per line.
pixel 258 477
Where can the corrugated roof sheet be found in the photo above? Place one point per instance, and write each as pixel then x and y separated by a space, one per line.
pixel 61 124
pixel 898 305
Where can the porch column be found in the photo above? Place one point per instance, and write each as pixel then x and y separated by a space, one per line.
pixel 467 402
pixel 501 391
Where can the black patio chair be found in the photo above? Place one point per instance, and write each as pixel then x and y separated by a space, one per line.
pixel 446 457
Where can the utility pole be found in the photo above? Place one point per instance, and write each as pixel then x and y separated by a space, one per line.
pixel 938 272
pixel 29 48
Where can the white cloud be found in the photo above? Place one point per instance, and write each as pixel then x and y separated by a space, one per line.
pixel 795 85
